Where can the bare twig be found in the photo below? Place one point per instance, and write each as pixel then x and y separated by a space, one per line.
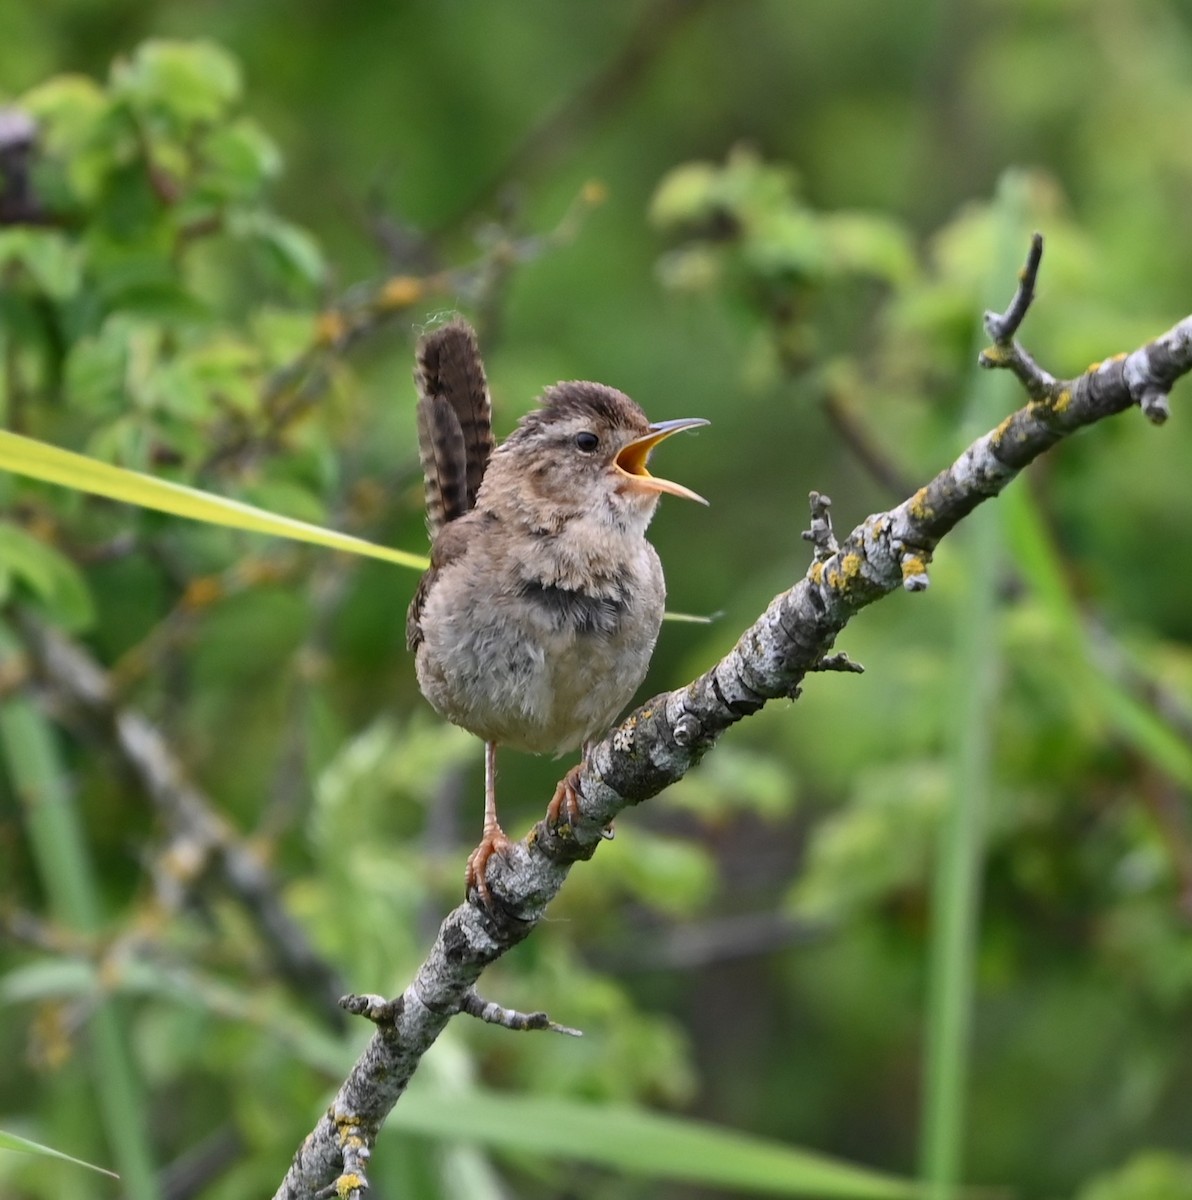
pixel 1003 327
pixel 202 841
pixel 486 1010
pixel 665 737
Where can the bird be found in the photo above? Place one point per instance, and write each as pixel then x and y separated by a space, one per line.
pixel 535 623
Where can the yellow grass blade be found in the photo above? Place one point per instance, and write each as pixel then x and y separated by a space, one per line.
pixel 38 460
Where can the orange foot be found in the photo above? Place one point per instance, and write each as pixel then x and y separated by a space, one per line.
pixel 493 842
pixel 565 801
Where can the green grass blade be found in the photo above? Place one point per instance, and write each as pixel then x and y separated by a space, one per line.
pixel 683 618
pixel 955 894
pixel 639 1142
pixel 49 464
pixel 29 753
pixel 10 1141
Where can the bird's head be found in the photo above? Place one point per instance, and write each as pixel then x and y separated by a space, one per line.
pixel 586 449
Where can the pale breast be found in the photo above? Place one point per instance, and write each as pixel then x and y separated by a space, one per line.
pixel 525 654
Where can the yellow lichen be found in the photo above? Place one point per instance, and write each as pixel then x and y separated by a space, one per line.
pixel 345 1185
pixel 918 506
pixel 330 328
pixel 203 591
pixel 400 292
pixel 816 574
pixel 1062 400
pixel 851 564
pixel 995 355
pixel 1004 428
pixel 912 564
pixel 594 192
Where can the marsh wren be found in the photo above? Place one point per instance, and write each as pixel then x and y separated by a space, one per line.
pixel 535 623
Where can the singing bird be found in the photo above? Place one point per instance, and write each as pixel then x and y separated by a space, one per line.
pixel 535 623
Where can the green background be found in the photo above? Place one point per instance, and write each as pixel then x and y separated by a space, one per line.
pixel 767 946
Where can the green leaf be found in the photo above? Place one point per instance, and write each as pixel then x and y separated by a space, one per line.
pixel 37 460
pixel 292 250
pixel 10 1141
pixel 239 158
pixel 53 578
pixel 50 260
pixel 67 109
pixel 193 81
pixel 686 198
pixel 708 200
pixel 639 1142
pixel 788 243
pixel 869 244
pixel 70 111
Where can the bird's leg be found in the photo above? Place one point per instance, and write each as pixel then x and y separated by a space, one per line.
pixel 565 801
pixel 493 839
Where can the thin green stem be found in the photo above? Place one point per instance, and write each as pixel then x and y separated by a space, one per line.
pixel 30 754
pixel 956 887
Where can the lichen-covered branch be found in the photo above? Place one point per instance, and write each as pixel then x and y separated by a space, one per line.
pixel 663 739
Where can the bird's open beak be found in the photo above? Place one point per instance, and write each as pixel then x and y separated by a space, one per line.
pixel 631 461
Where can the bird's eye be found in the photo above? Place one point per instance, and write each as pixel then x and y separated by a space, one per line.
pixel 586 441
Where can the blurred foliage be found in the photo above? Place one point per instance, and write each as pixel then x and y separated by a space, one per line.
pixel 797 243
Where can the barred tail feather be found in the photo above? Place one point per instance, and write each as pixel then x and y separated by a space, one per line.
pixel 450 368
pixel 444 466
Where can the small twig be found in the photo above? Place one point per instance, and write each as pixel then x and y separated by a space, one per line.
pixel 486 1010
pixel 839 662
pixel 372 1007
pixel 1147 374
pixel 1003 327
pixel 820 534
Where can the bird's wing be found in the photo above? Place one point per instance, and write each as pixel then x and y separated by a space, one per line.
pixel 455 426
pixel 450 543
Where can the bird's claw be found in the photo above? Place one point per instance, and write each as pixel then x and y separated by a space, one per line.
pixel 476 872
pixel 565 801
pixel 564 804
